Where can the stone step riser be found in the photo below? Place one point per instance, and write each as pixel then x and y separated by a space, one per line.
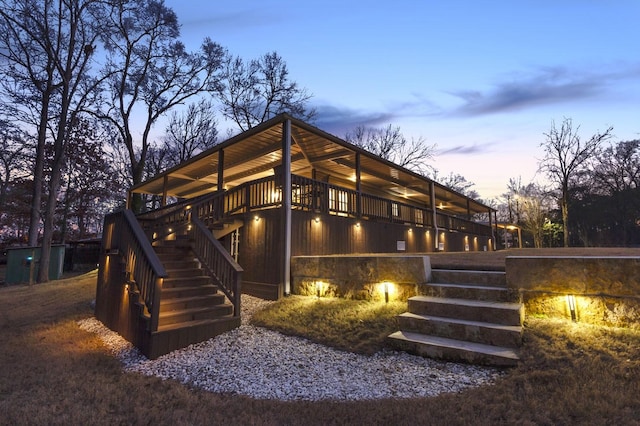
pixel 492 314
pixel 483 278
pixel 452 354
pixel 470 333
pixel 215 312
pixel 469 293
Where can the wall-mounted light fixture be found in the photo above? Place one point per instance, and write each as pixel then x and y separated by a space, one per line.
pixel 256 218
pixel 317 219
pixel 571 301
pixel 357 224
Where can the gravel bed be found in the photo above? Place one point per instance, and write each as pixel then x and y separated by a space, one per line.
pixel 264 364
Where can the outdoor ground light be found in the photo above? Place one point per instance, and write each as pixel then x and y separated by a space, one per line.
pixel 571 301
pixel 318 288
pixel 386 292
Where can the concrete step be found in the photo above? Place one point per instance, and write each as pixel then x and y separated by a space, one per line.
pixel 482 278
pixel 191 302
pixel 453 350
pixel 509 336
pixel 190 291
pixel 195 314
pixel 469 291
pixel 471 310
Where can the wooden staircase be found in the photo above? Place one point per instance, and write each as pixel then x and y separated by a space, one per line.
pixel 191 307
pixel 468 316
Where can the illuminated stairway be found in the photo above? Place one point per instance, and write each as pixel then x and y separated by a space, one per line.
pixel 191 307
pixel 468 316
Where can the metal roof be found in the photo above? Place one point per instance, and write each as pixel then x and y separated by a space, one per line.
pixel 255 153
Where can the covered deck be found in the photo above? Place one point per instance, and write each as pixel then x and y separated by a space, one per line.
pixel 286 188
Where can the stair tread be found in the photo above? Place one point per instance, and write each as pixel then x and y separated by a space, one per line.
pixel 193 298
pixel 456 344
pixel 464 322
pixel 470 286
pixel 187 278
pixel 467 302
pixel 475 271
pixel 197 309
pixel 193 323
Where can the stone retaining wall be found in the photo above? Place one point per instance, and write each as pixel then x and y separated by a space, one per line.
pixel 359 276
pixel 606 289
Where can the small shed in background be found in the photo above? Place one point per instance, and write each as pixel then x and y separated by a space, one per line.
pixel 22 264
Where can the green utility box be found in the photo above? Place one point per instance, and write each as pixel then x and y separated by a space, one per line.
pixel 23 263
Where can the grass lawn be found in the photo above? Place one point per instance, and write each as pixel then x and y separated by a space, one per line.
pixel 51 372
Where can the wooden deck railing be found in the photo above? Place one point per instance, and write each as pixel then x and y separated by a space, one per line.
pixel 225 272
pixel 312 195
pixel 143 268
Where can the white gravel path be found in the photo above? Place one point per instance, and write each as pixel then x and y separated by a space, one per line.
pixel 264 364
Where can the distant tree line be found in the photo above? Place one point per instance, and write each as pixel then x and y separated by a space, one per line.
pixel 593 194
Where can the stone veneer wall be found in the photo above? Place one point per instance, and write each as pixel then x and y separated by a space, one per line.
pixel 359 276
pixel 606 289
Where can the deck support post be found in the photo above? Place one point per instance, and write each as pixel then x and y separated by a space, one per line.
pixel 286 204
pixel 358 187
pixel 432 190
pixel 220 170
pixel 165 184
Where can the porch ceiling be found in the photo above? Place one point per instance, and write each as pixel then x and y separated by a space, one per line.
pixel 254 154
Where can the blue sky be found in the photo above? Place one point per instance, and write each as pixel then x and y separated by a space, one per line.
pixel 482 80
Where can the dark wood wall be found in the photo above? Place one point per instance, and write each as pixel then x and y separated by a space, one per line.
pixel 262 242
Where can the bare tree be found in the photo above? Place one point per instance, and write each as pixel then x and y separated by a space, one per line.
pixel 566 154
pixel 191 132
pixel 528 206
pixel 12 157
pixel 257 90
pixel 389 143
pixel 150 74
pixel 52 43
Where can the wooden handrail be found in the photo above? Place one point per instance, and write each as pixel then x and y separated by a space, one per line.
pixel 143 267
pixel 225 272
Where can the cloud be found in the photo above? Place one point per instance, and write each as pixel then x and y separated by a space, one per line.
pixel 547 86
pixel 233 20
pixel 474 149
pixel 339 120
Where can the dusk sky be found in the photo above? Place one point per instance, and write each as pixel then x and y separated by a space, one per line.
pixel 483 80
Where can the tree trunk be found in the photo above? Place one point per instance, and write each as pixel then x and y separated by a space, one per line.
pixel 36 199
pixel 565 217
